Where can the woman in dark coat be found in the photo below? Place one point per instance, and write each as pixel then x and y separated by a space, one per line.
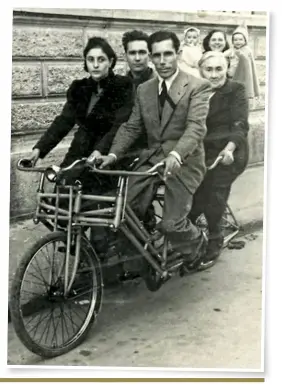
pixel 98 105
pixel 227 135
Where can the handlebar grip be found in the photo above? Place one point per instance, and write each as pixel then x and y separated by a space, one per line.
pixel 24 164
pixel 216 162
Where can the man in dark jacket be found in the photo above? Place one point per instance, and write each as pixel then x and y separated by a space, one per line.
pixel 135 44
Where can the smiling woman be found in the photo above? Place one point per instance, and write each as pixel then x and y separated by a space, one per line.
pixel 216 40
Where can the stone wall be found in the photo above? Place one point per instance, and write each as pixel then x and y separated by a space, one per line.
pixel 47 56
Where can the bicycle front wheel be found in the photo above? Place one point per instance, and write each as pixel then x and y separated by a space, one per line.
pixel 46 321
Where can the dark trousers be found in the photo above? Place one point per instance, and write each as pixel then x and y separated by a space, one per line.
pixel 182 234
pixel 211 198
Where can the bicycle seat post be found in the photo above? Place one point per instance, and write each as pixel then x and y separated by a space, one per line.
pixel 119 203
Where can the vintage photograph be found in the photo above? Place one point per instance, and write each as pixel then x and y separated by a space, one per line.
pixel 137 188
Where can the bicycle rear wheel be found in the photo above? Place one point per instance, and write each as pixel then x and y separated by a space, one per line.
pixel 48 323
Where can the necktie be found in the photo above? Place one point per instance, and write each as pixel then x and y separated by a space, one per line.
pixel 163 94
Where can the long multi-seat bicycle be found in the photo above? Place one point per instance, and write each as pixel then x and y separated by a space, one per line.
pixel 57 291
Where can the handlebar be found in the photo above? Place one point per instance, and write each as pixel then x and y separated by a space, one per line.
pixel 26 165
pixel 52 172
pixel 215 163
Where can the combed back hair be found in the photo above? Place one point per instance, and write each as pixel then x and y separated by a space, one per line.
pixel 162 35
pixel 133 36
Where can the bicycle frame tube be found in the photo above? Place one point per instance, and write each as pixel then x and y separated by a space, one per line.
pixel 76 218
pixel 130 236
pixel 69 234
pixel 138 229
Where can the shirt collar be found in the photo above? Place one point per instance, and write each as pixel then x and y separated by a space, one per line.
pixel 168 81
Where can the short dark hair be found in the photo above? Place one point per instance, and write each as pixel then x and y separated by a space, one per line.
pixel 206 40
pixel 99 42
pixel 158 36
pixel 133 36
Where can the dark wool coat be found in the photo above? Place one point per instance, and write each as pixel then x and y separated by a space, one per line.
pixel 228 121
pixel 96 129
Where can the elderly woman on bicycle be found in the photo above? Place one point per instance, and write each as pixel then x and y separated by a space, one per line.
pixel 227 136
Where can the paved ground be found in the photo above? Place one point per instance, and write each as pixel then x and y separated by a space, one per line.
pixel 209 320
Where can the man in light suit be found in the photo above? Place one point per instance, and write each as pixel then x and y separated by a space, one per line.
pixel 172 110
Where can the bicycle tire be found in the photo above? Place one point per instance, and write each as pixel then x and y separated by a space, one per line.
pixel 15 305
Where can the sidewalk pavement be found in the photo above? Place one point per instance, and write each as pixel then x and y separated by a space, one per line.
pixel 246 201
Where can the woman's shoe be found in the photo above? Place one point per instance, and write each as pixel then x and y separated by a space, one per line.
pixel 213 252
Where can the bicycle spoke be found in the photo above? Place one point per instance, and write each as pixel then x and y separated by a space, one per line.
pixel 31 292
pixel 47 259
pixel 36 315
pixel 75 312
pixel 46 329
pixel 71 319
pixel 33 275
pixel 34 283
pixel 55 329
pixel 52 266
pixel 40 321
pixel 63 321
pixel 49 326
pixel 46 283
pixel 79 295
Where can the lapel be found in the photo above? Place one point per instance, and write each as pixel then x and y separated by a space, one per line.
pixel 84 98
pixel 176 91
pixel 217 101
pixel 152 100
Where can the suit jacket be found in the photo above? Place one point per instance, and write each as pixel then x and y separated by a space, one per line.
pixel 228 121
pixel 181 128
pixel 94 129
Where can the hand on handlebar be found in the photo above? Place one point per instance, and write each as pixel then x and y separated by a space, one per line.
pixel 93 157
pixel 105 161
pixel 227 157
pixel 34 156
pixel 171 165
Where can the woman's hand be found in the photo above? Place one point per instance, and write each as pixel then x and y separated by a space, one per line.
pixel 228 157
pixel 34 156
pixel 95 155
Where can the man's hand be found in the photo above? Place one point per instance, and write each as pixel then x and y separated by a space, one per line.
pixel 34 156
pixel 95 155
pixel 227 157
pixel 106 160
pixel 171 165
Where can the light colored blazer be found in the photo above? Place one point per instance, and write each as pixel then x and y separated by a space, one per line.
pixel 181 128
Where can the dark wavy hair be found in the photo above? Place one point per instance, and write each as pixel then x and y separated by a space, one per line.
pixel 206 40
pixel 158 36
pixel 99 42
pixel 133 36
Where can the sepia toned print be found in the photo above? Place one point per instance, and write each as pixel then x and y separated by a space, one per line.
pixel 163 269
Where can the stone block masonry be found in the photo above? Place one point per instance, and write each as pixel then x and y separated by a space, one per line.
pixel 47 56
